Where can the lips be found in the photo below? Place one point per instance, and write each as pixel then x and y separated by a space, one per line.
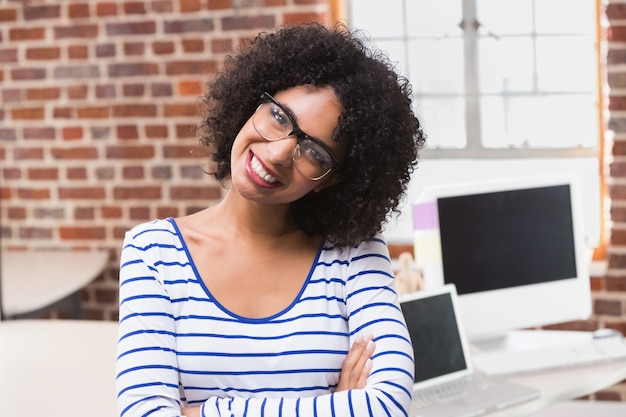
pixel 258 168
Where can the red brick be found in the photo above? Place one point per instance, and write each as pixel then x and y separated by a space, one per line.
pixel 33 193
pixel 46 133
pixel 26 34
pixel 220 4
pixel 190 67
pixel 133 90
pixel 130 152
pixel 127 132
pixel 111 212
pixel 163 47
pixel 77 92
pixel 49 93
pixel 81 233
pixel 76 31
pixel 43 53
pixel 84 213
pixel 93 112
pixel 133 70
pixel 131 28
pixel 82 193
pixel 194 193
pixel 78 52
pixel 39 233
pixel 27 153
pixel 189 88
pixel 135 110
pixel 32 113
pixel 86 152
pixel 163 6
pixel 42 12
pixel 178 152
pixel 134 48
pixel 22 74
pixel 248 22
pixel 137 193
pixel 133 173
pixel 72 133
pixel 188 6
pixel 76 173
pixel 221 46
pixel 8 15
pixel 193 45
pixel 8 55
pixel 78 11
pixel 180 110
pixel 291 19
pixel 156 131
pixel 139 213
pixel 134 7
pixel 185 131
pixel 165 212
pixel 16 213
pixel 106 9
pixel 43 173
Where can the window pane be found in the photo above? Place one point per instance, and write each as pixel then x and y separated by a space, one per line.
pixel 506 17
pixel 433 18
pixel 565 63
pixel 538 122
pixel 565 16
pixel 506 64
pixel 377 21
pixel 436 66
pixel 443 121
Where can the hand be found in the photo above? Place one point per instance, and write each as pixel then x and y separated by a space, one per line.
pixel 191 411
pixel 357 365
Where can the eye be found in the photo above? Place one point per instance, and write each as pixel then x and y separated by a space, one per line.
pixel 315 154
pixel 280 120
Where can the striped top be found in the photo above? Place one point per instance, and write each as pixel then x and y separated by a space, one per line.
pixel 179 346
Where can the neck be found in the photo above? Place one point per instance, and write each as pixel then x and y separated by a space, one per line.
pixel 254 220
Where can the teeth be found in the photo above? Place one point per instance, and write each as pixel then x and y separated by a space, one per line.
pixel 258 169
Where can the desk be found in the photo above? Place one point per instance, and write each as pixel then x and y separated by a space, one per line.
pixel 58 368
pixel 33 280
pixel 559 385
pixel 566 384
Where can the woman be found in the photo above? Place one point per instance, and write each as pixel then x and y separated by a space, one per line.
pixel 279 300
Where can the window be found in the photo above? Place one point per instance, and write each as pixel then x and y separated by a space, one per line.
pixel 495 78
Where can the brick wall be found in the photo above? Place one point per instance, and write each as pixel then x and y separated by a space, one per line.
pixel 98 113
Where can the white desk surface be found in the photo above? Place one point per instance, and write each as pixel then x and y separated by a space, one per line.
pixel 565 384
pixel 32 280
pixel 58 368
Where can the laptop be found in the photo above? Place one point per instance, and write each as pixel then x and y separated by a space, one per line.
pixel 446 384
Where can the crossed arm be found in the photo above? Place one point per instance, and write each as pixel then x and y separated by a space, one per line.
pixel 354 372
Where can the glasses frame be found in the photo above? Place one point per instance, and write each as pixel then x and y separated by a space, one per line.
pixel 298 133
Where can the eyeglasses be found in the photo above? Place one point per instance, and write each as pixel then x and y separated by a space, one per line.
pixel 311 156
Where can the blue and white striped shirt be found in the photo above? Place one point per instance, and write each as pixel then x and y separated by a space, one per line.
pixel 178 346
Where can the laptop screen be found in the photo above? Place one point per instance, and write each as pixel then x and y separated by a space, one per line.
pixel 437 342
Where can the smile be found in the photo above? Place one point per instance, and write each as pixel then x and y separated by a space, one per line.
pixel 258 169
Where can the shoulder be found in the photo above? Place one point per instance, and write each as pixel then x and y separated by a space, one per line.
pixel 155 230
pixel 371 248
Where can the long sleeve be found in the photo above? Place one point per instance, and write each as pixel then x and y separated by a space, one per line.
pixel 178 346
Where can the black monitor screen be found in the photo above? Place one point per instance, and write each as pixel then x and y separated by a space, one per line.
pixel 507 238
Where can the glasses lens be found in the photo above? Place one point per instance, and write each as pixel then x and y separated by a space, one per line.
pixel 271 122
pixel 311 159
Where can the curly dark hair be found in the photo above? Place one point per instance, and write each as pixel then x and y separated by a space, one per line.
pixel 377 122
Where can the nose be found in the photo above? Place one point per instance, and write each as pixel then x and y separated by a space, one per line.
pixel 280 152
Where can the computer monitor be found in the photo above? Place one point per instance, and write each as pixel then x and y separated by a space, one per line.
pixel 514 248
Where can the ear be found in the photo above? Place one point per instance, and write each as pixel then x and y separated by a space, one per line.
pixel 332 179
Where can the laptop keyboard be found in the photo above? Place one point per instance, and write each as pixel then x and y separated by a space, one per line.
pixel 449 391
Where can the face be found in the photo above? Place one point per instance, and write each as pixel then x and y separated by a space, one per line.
pixel 264 170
